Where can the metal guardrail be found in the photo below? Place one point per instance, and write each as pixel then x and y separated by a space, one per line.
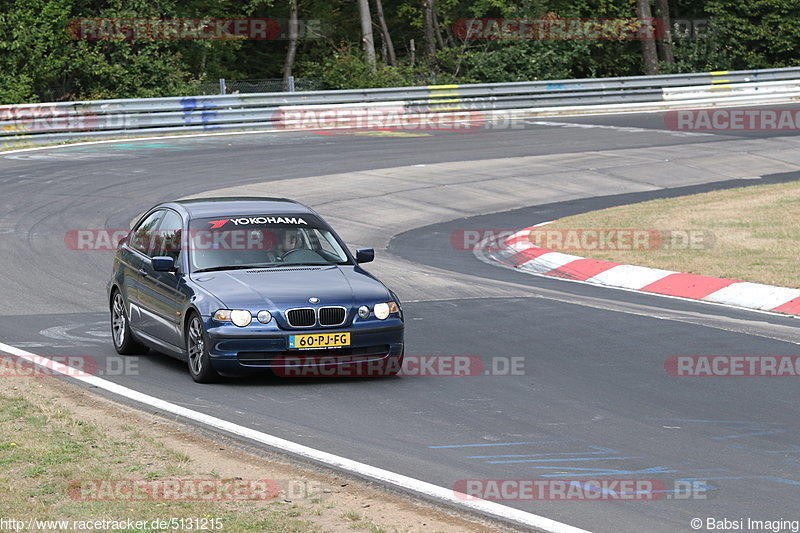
pixel 69 121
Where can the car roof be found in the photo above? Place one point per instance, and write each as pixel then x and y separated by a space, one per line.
pixel 240 205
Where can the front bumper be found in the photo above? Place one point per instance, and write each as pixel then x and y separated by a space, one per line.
pixel 234 349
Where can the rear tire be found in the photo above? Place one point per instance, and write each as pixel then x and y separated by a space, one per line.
pixel 121 335
pixel 197 348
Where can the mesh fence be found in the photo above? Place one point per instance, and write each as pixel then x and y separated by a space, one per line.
pixel 257 86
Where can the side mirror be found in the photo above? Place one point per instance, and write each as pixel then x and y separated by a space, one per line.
pixel 365 255
pixel 163 264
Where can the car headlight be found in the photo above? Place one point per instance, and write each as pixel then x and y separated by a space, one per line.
pixel 264 317
pixel 384 309
pixel 363 312
pixel 239 317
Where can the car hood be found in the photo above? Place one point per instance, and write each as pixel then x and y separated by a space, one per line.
pixel 286 287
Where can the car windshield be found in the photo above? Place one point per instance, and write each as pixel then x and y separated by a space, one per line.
pixel 257 241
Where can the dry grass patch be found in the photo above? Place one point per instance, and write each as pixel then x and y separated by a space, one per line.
pixel 755 233
pixel 53 433
pixel 44 449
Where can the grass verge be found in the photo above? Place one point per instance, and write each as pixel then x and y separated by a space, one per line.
pixel 747 233
pixel 68 454
pixel 45 449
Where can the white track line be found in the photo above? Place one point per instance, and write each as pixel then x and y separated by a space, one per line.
pixel 626 129
pixel 342 463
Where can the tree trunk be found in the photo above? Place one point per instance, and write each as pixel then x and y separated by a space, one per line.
pixel 649 54
pixel 662 10
pixel 436 29
pixel 366 33
pixel 449 39
pixel 429 30
pixel 387 38
pixel 290 53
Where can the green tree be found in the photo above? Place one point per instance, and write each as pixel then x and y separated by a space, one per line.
pixel 757 33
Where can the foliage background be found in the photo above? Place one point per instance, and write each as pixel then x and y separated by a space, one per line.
pixel 39 61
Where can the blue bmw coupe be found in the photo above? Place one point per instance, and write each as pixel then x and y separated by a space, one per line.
pixel 231 285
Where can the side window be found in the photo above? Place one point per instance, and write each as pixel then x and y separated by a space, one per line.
pixel 324 244
pixel 169 236
pixel 143 237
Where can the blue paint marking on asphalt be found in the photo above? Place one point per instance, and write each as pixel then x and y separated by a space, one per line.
pixel 796 449
pixel 603 449
pixel 704 420
pixel 556 462
pixel 531 455
pixel 597 472
pixel 597 450
pixel 562 459
pixel 768 478
pixel 498 444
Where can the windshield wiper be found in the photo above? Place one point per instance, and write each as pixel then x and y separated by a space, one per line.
pixel 299 264
pixel 233 267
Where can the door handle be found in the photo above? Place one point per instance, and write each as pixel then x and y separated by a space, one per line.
pixel 143 272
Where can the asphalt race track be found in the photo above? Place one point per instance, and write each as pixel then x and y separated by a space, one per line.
pixel 594 400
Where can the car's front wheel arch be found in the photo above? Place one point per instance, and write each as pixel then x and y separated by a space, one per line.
pixel 187 316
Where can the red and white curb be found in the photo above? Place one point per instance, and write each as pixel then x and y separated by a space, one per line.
pixel 518 252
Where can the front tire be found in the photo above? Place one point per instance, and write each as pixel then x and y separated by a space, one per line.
pixel 197 348
pixel 124 343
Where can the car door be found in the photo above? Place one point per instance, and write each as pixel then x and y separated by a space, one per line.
pixel 161 294
pixel 133 255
